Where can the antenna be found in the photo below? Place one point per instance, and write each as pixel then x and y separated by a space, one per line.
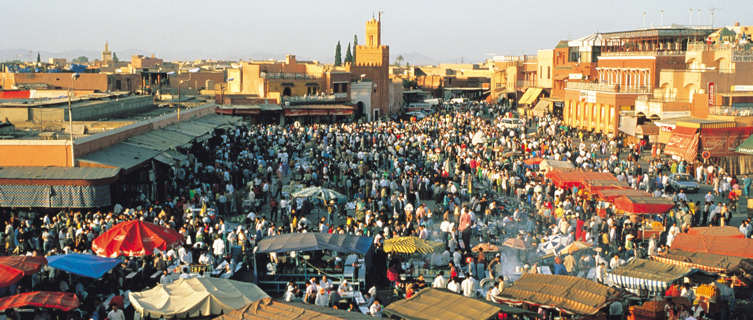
pixel 690 16
pixel 380 15
pixel 712 10
pixel 644 19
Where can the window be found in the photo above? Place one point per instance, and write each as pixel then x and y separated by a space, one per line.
pixel 548 72
pixel 573 54
pixel 595 53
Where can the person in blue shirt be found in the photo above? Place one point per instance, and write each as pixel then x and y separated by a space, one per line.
pixel 559 268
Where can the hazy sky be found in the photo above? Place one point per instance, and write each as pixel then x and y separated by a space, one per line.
pixel 439 29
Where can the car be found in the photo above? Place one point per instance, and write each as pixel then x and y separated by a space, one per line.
pixel 684 182
pixel 512 123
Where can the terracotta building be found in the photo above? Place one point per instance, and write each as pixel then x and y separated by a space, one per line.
pixel 372 61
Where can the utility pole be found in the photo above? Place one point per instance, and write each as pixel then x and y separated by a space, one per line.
pixel 70 119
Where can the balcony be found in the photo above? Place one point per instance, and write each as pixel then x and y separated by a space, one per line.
pixel 604 87
pixel 655 53
pixel 287 76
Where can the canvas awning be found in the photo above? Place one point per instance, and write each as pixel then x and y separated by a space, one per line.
pixel 683 143
pixel 611 194
pixel 648 129
pixel 628 124
pixel 530 96
pixel 548 165
pixel 722 142
pixel 699 260
pixel 647 205
pixel 746 147
pixel 269 309
pixel 195 297
pixel 311 241
pixel 577 178
pixel 64 301
pixel 594 185
pixel 569 294
pixel 430 303
pixel 541 108
pixel 726 231
pixel 726 246
pixel 641 274
pixel 55 187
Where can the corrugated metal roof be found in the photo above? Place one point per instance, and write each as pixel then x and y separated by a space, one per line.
pixel 138 149
pixel 57 173
pixel 161 139
pixel 121 155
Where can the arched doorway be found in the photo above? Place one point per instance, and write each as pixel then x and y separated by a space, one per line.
pixel 359 110
pixel 286 92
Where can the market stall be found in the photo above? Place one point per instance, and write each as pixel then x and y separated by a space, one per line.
pixel 86 265
pixel 134 238
pixel 13 268
pixel 641 275
pixel 642 205
pixel 267 308
pixel 64 301
pixel 195 297
pixel 567 294
pixel 717 231
pixel 725 246
pixel 548 165
pixel 430 303
pixel 611 194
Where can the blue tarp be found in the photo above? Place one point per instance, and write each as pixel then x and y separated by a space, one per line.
pixel 311 241
pixel 86 265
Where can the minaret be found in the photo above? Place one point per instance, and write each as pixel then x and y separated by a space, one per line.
pixel 106 55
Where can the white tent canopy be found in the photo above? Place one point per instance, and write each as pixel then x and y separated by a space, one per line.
pixel 195 297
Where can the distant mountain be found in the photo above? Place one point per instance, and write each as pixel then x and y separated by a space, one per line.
pixel 31 55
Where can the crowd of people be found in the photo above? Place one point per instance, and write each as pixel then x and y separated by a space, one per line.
pixel 457 176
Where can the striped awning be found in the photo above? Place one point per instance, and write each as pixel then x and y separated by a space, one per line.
pixel 410 245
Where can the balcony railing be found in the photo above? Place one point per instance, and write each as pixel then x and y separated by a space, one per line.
pixel 604 87
pixel 287 76
pixel 643 53
pixel 731 111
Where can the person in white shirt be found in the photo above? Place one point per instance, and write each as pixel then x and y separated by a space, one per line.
pixel 218 247
pixel 325 283
pixel 453 286
pixel 439 281
pixel 116 313
pixel 376 309
pixel 469 287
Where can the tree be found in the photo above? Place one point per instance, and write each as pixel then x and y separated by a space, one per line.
pixel 81 59
pixel 115 57
pixel 39 59
pixel 348 55
pixel 338 55
pixel 355 44
pixel 399 60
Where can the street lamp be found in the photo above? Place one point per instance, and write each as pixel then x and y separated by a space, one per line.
pixel 74 76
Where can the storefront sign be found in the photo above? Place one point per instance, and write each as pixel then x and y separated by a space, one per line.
pixel 712 94
pixel 588 96
pixel 575 76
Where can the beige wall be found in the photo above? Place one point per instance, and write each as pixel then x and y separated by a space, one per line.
pixel 545 60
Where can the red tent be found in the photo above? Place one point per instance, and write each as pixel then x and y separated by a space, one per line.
pixel 611 194
pixel 13 268
pixel 595 185
pixel 725 231
pixel 43 299
pixel 725 246
pixel 577 178
pixel 637 204
pixel 134 238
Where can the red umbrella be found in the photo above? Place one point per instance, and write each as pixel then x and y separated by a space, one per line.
pixel 533 161
pixel 13 268
pixel 65 301
pixel 134 238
